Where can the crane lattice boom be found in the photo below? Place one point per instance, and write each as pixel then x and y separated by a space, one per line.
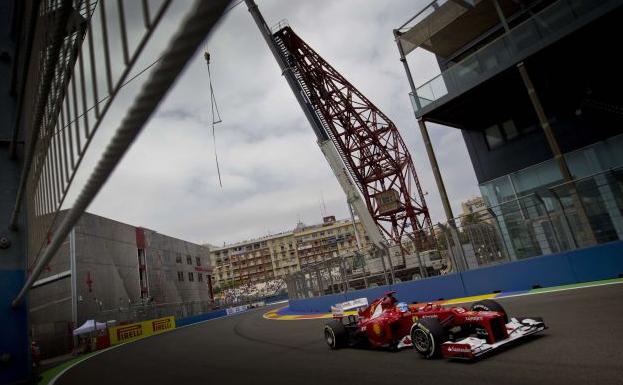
pixel 366 139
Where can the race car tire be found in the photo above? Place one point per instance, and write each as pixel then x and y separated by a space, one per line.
pixel 427 335
pixel 335 334
pixel 489 305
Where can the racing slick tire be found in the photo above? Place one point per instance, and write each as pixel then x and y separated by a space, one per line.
pixel 489 305
pixel 335 334
pixel 427 335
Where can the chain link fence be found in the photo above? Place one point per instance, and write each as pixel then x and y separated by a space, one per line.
pixel 568 216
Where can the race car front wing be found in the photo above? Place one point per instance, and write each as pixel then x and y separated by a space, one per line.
pixel 472 347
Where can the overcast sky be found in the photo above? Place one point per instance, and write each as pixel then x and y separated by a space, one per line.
pixel 272 169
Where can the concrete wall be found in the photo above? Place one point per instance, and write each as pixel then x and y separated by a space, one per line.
pixel 583 265
pixel 50 307
pixel 108 279
pixel 107 265
pixel 162 268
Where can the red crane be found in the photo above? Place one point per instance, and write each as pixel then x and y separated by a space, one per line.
pixel 362 146
pixel 366 139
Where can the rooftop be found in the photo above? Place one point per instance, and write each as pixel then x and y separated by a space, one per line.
pixel 298 231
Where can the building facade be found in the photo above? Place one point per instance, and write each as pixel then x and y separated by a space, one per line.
pixel 475 210
pixel 117 269
pixel 531 86
pixel 248 261
pixel 276 256
pixel 328 240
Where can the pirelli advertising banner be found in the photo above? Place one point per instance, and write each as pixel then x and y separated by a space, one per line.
pixel 135 331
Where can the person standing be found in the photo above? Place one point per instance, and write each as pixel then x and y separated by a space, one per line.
pixel 35 353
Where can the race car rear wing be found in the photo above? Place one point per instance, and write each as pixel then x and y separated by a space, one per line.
pixel 338 309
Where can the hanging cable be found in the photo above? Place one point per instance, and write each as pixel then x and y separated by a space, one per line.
pixel 216 118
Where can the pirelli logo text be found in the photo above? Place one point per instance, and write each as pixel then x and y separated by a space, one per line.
pixel 126 333
pixel 129 332
pixel 161 325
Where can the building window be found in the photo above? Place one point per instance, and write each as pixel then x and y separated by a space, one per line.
pixel 189 260
pixel 180 276
pixel 494 137
pixel 500 133
pixel 178 259
pixel 509 129
pixel 199 277
pixel 198 260
pixel 191 276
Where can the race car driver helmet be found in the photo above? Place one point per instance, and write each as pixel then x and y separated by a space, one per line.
pixel 389 300
pixel 402 307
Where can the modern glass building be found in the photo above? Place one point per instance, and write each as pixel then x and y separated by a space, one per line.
pixel 523 81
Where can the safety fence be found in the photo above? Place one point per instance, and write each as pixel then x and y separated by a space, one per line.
pixel 556 219
pixel 87 51
pixel 78 55
pixel 83 53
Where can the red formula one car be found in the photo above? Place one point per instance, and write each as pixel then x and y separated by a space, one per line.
pixel 433 330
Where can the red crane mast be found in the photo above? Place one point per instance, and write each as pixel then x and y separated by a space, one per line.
pixel 367 140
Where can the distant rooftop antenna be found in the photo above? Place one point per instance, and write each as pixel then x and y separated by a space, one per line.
pixel 299 223
pixel 323 206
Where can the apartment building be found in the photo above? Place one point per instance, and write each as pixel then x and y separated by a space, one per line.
pixel 474 210
pixel 278 255
pixel 328 240
pixel 246 261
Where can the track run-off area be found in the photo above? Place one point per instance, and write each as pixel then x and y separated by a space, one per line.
pixel 583 345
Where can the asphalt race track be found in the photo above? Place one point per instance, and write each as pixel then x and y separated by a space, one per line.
pixel 584 345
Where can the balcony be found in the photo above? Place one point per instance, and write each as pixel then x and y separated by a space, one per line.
pixel 542 29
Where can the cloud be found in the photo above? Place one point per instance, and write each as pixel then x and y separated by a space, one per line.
pixel 273 173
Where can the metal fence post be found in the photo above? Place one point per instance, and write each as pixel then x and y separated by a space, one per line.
pixel 574 242
pixel 499 230
pixel 549 218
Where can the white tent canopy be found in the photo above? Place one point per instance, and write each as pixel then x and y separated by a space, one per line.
pixel 89 326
